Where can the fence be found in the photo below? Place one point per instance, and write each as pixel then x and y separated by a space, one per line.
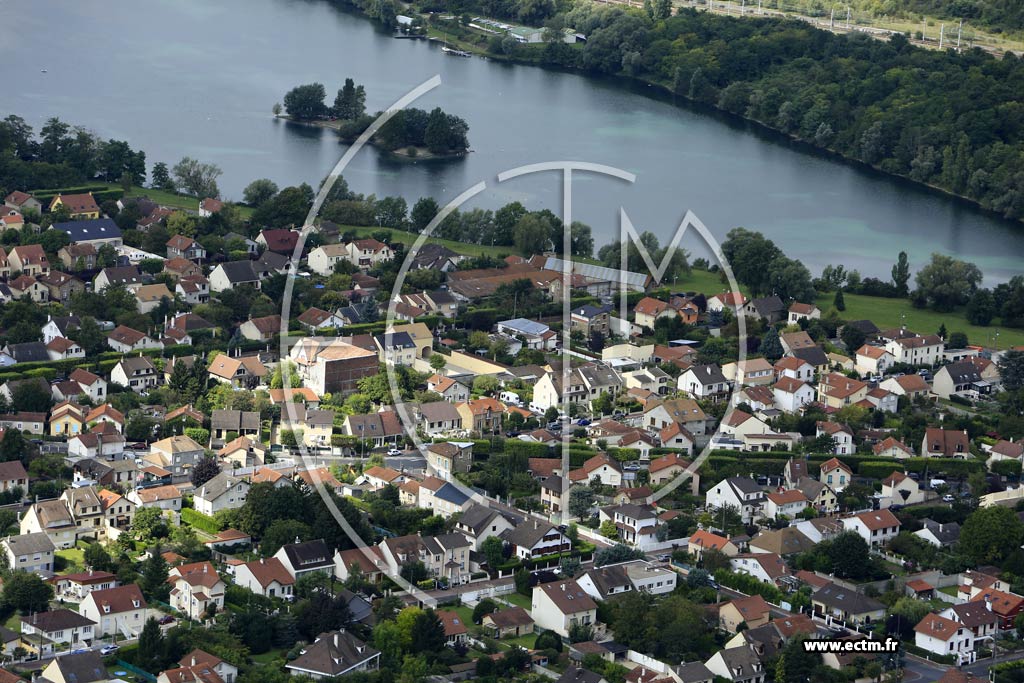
pixel 134 669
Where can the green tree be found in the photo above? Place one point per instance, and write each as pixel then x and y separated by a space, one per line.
pixel 493 550
pixel 96 557
pixel 482 609
pixel 206 469
pixel 305 102
pixel 259 192
pixel 1011 370
pixel 438 361
pixel 154 576
pixel 350 102
pixel 981 308
pixel 839 301
pixel 990 534
pixel 581 499
pixel 901 274
pixel 771 345
pixel 196 178
pixel 151 645
pixel 852 337
pixel 947 282
pixel 161 178
pixel 26 593
pixel 608 529
pixel 423 211
pixel 532 234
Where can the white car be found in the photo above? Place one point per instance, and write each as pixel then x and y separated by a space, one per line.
pixel 392 452
pixel 948 498
pixel 109 650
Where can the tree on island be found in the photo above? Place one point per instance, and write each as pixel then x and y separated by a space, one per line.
pixel 306 102
pixel 350 102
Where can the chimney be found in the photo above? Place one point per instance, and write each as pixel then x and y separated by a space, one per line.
pixel 335 640
pixel 194 660
pixel 988 602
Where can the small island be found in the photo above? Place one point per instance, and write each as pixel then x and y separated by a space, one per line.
pixel 410 133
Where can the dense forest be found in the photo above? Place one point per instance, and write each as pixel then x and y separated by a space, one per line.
pixel 954 121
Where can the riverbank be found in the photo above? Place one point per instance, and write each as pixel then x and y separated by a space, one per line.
pixel 546 55
pixel 403 153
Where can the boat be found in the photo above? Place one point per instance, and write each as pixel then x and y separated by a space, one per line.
pixel 455 53
pixel 42 71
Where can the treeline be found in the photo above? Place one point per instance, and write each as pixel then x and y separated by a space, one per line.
pixel 950 120
pixel 62 155
pixel 999 14
pixel 437 131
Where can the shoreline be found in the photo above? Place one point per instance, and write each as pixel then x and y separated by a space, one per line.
pixel 664 92
pixel 407 153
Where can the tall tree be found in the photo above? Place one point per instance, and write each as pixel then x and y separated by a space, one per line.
pixel 901 274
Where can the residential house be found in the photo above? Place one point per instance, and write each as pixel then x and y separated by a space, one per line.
pixel 445 556
pixel 78 206
pixel 945 637
pixel 333 655
pixel 46 634
pixel 912 386
pixel 873 360
pixel 560 606
pixel 750 612
pixel 233 274
pixel 446 459
pixel 784 504
pixel 702 541
pixel 800 311
pixel 482 415
pixel 136 373
pixel 28 259
pixel 61 286
pixel 601 466
pixel 242 372
pixel 636 524
pixel 166 497
pixel 324 259
pixel 667 468
pixel 703 382
pixel 891 447
pixel 197 590
pixel 261 329
pixel 737 665
pixel 752 372
pixel 945 443
pixel 740 493
pixel 842 436
pixel 121 611
pixel 835 602
pixel 900 489
pixel 367 253
pixel 333 365
pixel 769 308
pixel 876 527
pixel 226 422
pixel 177 454
pixel 961 379
pixel 983 622
pixel 54 519
pixel 223 492
pixel 791 394
pixel 942 535
pixel 180 246
pixel 480 522
pixel 451 390
pixel 836 474
pixel 126 340
pixel 909 348
pixel 31 552
pixel 303 559
pixel 837 391
pixel 1004 605
pixel 533 538
pixel 511 622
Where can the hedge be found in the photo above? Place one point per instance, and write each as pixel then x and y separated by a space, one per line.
pixel 200 521
pixel 528 448
pixel 624 454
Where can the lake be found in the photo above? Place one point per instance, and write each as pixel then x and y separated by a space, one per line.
pixel 195 78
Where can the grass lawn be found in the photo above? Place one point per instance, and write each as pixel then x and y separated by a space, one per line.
pixel 887 313
pixel 269 657
pixel 526 641
pixel 950 590
pixel 407 238
pixel 516 599
pixel 75 557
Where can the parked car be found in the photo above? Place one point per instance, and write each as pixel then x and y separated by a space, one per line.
pixel 948 498
pixel 583 422
pixel 107 650
pixel 394 452
pixel 166 619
